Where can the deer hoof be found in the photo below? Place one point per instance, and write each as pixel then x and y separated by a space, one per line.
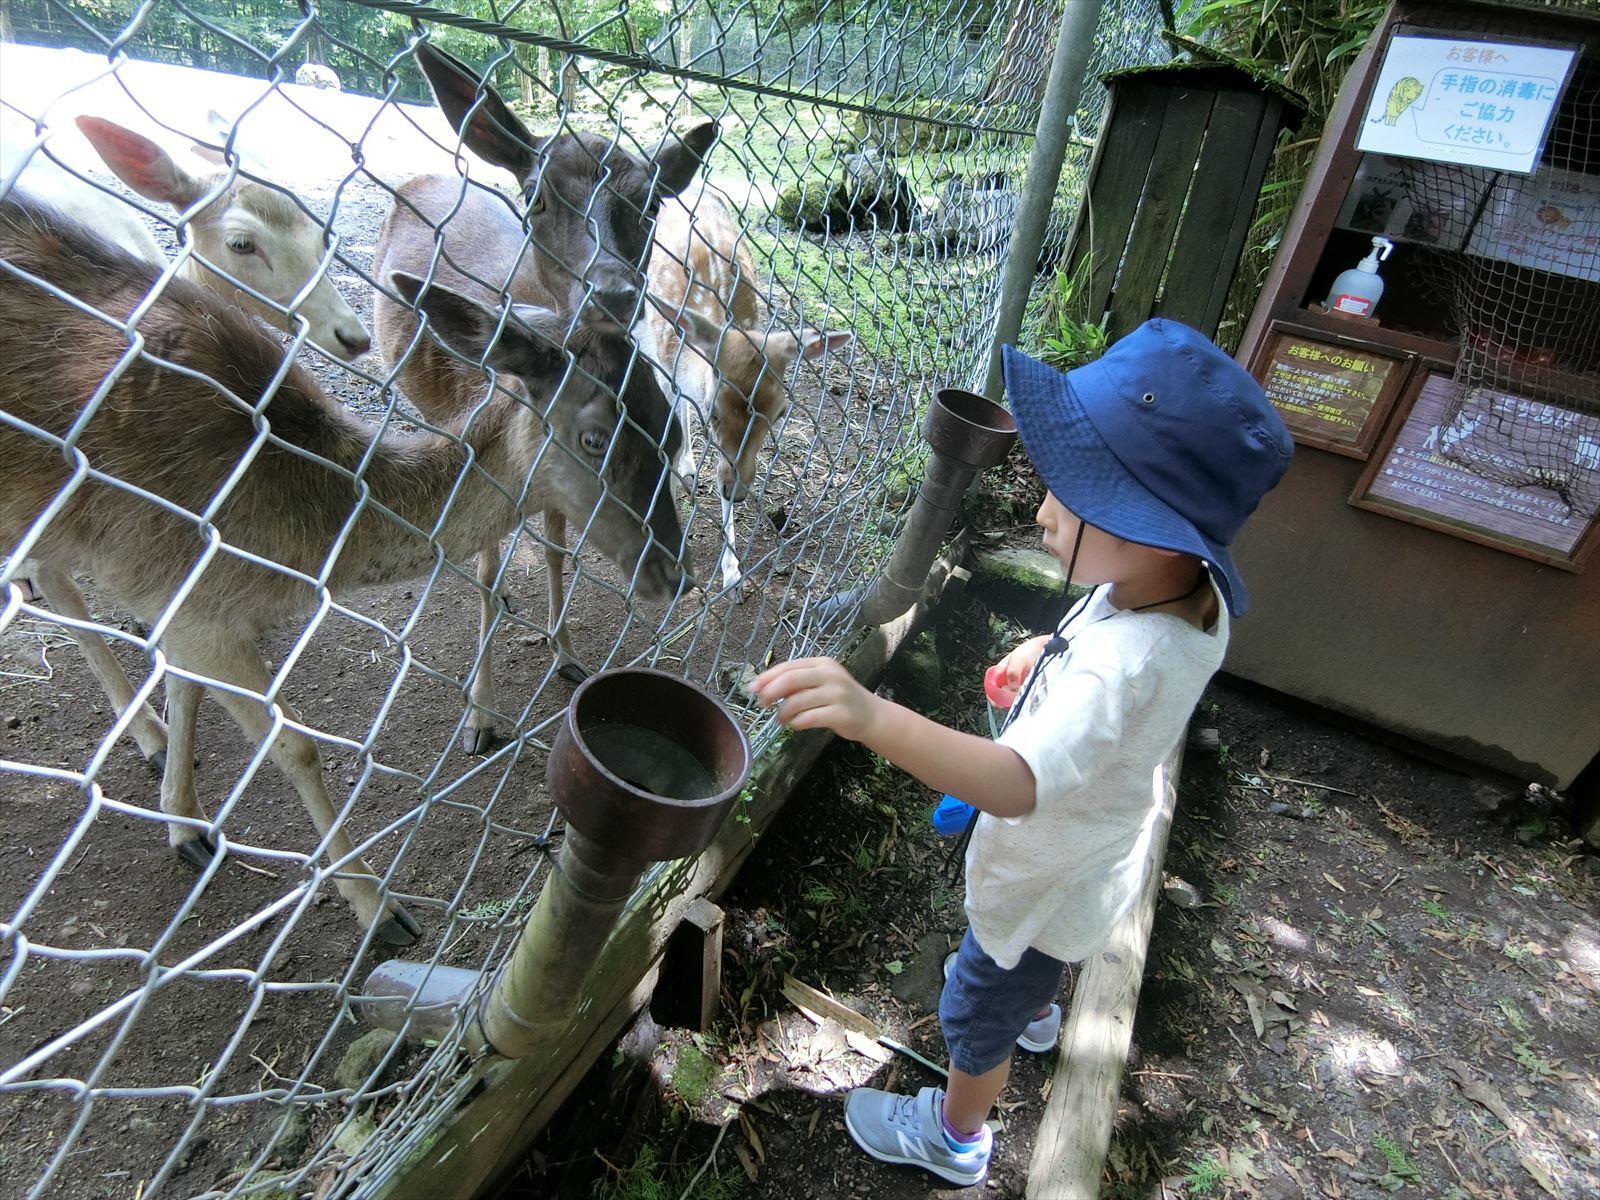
pixel 197 852
pixel 476 741
pixel 572 672
pixel 399 928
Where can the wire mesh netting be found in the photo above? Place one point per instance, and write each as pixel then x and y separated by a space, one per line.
pixel 1518 271
pixel 387 548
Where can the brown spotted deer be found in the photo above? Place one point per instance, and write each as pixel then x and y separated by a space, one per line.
pixel 300 493
pixel 702 276
pixel 257 233
pixel 573 245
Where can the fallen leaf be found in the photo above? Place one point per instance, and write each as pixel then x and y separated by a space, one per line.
pixel 1540 1175
pixel 1343 1156
pixel 753 1137
pixel 746 1162
pixel 1478 1091
pixel 1332 882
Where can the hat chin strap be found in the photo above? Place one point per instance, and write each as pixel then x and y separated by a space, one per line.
pixel 1072 562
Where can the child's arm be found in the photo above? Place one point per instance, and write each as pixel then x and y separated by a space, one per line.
pixel 817 693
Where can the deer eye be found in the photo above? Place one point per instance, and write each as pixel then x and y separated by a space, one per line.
pixel 594 441
pixel 242 243
pixel 536 204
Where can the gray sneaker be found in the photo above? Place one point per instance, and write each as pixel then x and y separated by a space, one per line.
pixel 1042 1033
pixel 907 1129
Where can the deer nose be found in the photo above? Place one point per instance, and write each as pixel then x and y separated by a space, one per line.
pixel 355 342
pixel 615 303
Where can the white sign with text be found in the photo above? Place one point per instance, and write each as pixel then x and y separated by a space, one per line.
pixel 1465 100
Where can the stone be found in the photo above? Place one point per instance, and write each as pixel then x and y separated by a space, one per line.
pixel 1023 583
pixel 362 1059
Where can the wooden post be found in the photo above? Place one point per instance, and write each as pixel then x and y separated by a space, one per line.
pixel 691 970
pixel 1070 1152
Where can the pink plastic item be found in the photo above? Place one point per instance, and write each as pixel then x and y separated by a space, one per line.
pixel 994 687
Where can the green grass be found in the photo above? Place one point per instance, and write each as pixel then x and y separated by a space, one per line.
pixel 1394 1156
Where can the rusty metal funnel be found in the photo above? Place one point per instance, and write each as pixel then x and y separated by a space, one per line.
pixel 644 768
pixel 968 433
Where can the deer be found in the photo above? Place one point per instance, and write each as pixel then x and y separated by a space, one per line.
pixel 574 244
pixel 301 494
pixel 703 279
pixel 255 232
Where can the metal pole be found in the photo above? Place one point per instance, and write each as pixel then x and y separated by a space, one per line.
pixel 1079 19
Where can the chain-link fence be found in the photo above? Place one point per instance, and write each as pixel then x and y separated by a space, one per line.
pixel 380 547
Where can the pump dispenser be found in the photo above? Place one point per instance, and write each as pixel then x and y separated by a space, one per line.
pixel 1357 290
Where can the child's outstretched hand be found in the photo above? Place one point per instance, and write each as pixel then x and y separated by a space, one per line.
pixel 816 693
pixel 1020 661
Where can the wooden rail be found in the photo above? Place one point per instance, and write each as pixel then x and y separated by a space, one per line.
pixel 1070 1152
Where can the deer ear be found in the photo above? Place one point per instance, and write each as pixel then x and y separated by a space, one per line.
pixel 141 164
pixel 458 321
pixel 679 157
pixel 489 129
pixel 699 332
pixel 814 343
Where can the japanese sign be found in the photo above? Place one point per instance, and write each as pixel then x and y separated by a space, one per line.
pixel 1462 99
pixel 1550 221
pixel 1326 394
pixel 1420 474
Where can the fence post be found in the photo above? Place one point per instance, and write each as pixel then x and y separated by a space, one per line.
pixel 1079 20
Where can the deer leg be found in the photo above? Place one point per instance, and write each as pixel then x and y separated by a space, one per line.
pixel 732 576
pixel 178 796
pixel 555 565
pixel 62 594
pixel 236 661
pixel 478 736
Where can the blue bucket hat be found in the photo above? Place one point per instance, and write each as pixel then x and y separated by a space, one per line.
pixel 1164 440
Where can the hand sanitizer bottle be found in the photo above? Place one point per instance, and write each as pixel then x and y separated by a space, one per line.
pixel 1357 290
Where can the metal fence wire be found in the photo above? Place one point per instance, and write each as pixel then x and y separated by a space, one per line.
pixel 221 418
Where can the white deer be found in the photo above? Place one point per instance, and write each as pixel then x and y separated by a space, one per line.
pixel 701 271
pixel 298 492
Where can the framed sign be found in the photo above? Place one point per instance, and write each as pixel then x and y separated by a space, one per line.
pixel 1448 473
pixel 1465 98
pixel 1332 395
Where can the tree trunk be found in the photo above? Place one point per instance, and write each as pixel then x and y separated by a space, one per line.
pixel 525 77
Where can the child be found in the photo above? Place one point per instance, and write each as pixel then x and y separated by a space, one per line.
pixel 1153 455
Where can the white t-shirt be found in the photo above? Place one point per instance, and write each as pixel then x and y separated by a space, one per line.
pixel 1095 725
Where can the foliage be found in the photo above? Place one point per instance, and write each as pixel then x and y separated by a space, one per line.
pixel 1070 339
pixel 1204 1175
pixel 647 1178
pixel 1401 1169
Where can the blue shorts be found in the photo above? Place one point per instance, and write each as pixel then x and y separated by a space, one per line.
pixel 984 1007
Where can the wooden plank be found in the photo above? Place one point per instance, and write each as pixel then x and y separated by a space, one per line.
pixel 691 972
pixel 1069 1152
pixel 1224 183
pixel 1102 233
pixel 1266 146
pixel 1156 220
pixel 488 1134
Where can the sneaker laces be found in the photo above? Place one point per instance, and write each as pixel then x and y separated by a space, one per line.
pixel 903 1112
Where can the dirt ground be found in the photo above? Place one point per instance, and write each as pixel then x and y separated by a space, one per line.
pixel 1370 975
